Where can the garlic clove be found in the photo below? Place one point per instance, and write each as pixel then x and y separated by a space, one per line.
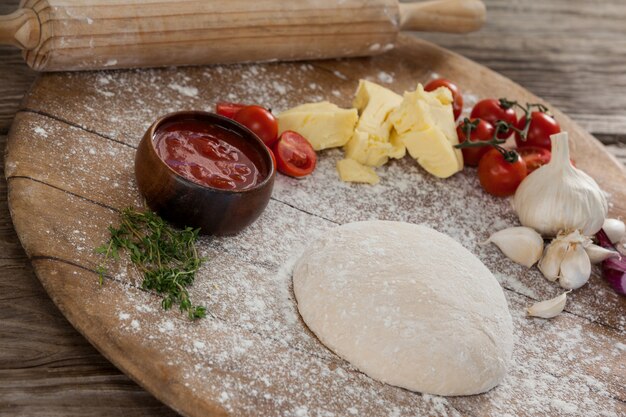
pixel 615 229
pixel 574 237
pixel 549 308
pixel 598 254
pixel 550 264
pixel 520 244
pixel 575 268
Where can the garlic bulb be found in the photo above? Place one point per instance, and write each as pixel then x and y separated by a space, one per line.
pixel 549 308
pixel 521 244
pixel 615 229
pixel 558 197
pixel 565 259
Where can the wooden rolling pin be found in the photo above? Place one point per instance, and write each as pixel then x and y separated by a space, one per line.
pixel 62 35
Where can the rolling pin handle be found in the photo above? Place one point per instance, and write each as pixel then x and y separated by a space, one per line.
pixel 453 16
pixel 20 28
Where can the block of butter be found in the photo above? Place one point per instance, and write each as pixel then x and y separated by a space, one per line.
pixel 351 171
pixel 432 151
pixel 374 103
pixel 425 124
pixel 367 149
pixel 371 143
pixel 324 124
pixel 398 148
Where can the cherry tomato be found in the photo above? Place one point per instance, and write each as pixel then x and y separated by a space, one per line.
pixel 482 132
pixel 541 127
pixel 498 176
pixel 294 155
pixel 534 157
pixel 457 97
pixel 226 109
pixel 261 121
pixel 491 110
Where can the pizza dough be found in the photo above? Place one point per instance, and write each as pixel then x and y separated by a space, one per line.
pixel 407 305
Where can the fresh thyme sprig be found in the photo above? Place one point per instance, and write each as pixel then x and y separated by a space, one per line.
pixel 166 257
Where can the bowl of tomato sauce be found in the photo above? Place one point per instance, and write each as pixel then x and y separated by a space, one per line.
pixel 206 171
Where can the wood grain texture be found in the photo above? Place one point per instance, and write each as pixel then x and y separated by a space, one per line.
pixel 77 35
pixel 20 29
pixel 80 35
pixel 576 41
pixel 572 53
pixel 65 159
pixel 454 16
pixel 46 366
pixel 15 75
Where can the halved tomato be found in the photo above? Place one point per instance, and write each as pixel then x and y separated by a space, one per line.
pixel 294 155
pixel 534 157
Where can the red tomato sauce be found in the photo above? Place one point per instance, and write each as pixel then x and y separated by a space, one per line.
pixel 208 154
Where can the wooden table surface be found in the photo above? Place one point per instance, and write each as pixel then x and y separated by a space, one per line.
pixel 570 52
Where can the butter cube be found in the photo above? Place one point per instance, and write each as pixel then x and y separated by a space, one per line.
pixel 351 171
pixel 311 107
pixel 398 150
pixel 367 150
pixel 443 94
pixel 433 151
pixel 421 111
pixel 374 103
pixel 324 124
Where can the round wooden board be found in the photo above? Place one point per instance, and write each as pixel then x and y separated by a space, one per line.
pixel 70 170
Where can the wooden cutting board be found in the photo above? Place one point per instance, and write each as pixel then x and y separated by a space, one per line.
pixel 70 170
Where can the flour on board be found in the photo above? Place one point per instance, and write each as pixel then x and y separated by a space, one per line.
pixel 246 281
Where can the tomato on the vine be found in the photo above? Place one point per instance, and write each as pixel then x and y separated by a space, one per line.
pixel 482 132
pixel 542 126
pixel 499 176
pixel 534 157
pixel 227 109
pixel 457 97
pixel 294 154
pixel 260 121
pixel 491 110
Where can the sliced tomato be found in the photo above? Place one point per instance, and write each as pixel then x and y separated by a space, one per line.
pixel 227 109
pixel 534 157
pixel 294 155
pixel 273 157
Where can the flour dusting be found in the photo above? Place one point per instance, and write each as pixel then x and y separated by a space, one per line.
pixel 254 355
pixel 184 90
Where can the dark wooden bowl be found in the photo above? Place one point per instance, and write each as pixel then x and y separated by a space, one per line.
pixel 185 203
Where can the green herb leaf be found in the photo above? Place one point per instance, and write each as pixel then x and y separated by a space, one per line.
pixel 167 257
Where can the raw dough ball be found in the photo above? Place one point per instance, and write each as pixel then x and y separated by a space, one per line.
pixel 407 305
